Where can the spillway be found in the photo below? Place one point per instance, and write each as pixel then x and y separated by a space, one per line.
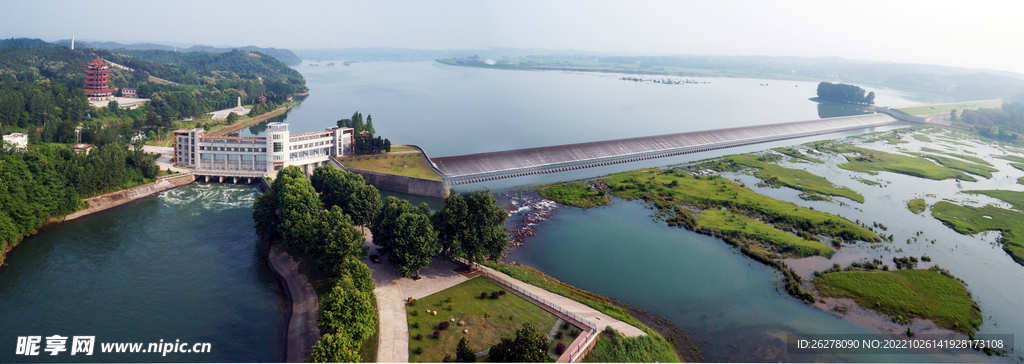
pixel 481 167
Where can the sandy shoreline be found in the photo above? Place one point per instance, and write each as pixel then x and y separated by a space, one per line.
pixel 302 330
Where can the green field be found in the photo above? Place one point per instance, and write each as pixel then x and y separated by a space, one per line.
pixel 675 194
pixel 921 110
pixel 574 194
pixel 922 137
pixel 798 179
pixel 403 164
pixel 872 161
pixel 1019 166
pixel 972 220
pixel 789 244
pixel 917 205
pixel 905 294
pixel 487 319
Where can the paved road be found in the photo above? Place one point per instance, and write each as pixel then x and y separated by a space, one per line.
pixel 166 157
pixel 393 337
pixel 302 330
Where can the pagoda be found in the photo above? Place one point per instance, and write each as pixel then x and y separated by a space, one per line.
pixel 97 78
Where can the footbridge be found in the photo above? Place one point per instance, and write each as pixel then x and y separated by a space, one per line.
pixel 481 167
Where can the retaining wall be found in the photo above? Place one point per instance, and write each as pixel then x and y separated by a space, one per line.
pixel 403 184
pixel 114 199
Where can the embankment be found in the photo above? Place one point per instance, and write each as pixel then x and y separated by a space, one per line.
pixel 118 198
pixel 302 330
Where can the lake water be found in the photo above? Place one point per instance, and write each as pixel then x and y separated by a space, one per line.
pixel 450 110
pixel 183 265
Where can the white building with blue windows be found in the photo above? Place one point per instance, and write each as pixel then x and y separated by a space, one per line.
pixel 261 155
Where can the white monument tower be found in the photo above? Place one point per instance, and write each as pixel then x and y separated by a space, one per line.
pixel 72 42
pixel 239 107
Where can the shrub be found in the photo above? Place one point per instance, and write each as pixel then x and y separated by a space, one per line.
pixel 415 325
pixel 560 348
pixel 501 292
pixel 415 313
pixel 558 335
pixel 494 295
pixel 483 295
pixel 419 336
pixel 443 325
pixel 565 325
pixel 574 333
pixel 449 299
pixel 436 334
pixel 419 350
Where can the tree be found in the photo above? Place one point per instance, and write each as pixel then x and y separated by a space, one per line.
pixel 463 354
pixel 870 98
pixel 348 191
pixel 527 347
pixel 405 235
pixel 952 115
pixel 349 313
pixel 471 227
pixel 232 118
pixel 334 240
pixel 334 348
pixel 113 107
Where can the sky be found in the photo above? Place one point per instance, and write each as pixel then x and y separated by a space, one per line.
pixel 972 34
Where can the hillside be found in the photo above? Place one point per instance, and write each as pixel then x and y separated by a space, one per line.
pixel 283 55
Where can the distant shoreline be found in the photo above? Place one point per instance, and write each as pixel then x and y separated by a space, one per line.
pixel 571 68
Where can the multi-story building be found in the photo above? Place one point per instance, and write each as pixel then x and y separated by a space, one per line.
pixel 277 150
pixel 16 141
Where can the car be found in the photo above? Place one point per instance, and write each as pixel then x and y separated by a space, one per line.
pixel 375 258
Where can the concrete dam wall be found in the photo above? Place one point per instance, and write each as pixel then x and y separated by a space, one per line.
pixel 520 162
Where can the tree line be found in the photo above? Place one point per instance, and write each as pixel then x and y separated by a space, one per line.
pixel 365 143
pixel 1004 123
pixel 47 181
pixel 319 215
pixel 841 92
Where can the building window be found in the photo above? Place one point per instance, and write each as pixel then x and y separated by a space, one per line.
pixel 277 136
pixel 278 147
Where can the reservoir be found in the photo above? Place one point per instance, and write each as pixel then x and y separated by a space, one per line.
pixel 185 265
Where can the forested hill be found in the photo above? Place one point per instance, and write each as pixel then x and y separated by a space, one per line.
pixel 32 59
pixel 284 55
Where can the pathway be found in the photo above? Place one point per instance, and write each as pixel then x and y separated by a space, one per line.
pixel 165 160
pixel 302 330
pixel 597 317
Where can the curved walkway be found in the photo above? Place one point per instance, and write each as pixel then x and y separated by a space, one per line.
pixel 302 330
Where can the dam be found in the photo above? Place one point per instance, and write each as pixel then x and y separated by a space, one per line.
pixel 472 168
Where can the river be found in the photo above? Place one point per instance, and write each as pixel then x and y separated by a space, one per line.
pixel 183 265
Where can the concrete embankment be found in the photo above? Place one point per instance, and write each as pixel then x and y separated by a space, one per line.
pixel 118 198
pixel 302 330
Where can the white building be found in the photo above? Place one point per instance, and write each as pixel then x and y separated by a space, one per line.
pixel 16 140
pixel 277 150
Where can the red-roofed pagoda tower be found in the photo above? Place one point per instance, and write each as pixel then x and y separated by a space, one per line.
pixel 97 78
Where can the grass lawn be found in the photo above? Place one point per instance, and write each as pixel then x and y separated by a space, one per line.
pixel 567 338
pixel 921 110
pixel 396 149
pixel 908 293
pixel 406 164
pixel 871 161
pixel 729 221
pixel 798 179
pixel 574 194
pixel 916 205
pixel 675 193
pixel 972 220
pixel 488 320
pixel 661 349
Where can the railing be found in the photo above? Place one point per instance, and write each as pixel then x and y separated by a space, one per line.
pixel 575 350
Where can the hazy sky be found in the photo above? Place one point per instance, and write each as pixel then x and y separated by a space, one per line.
pixel 975 34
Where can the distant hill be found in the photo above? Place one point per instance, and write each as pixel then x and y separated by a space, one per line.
pixel 283 55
